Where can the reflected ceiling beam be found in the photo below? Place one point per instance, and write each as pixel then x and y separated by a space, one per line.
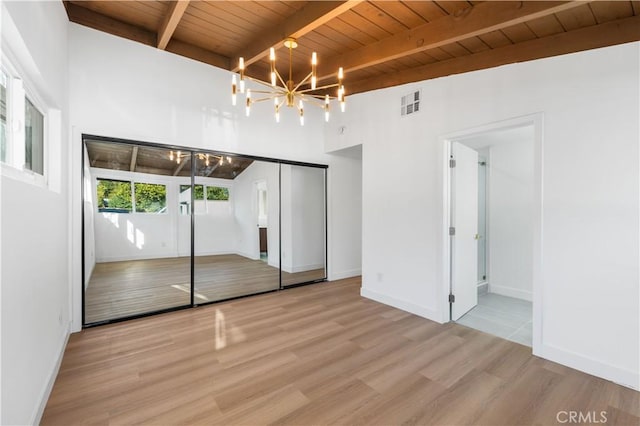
pixel 611 33
pixel 134 159
pixel 97 21
pixel 215 166
pixel 170 23
pixel 311 16
pixel 180 166
pixel 470 22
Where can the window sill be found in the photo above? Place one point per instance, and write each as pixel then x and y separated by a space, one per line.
pixel 25 176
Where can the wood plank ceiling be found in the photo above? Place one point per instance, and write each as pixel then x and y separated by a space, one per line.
pixel 379 43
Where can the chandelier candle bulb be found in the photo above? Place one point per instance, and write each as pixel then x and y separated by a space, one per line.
pixel 234 90
pixel 272 63
pixel 301 107
pixel 171 155
pixel 241 67
pixel 326 108
pixel 314 63
pixel 248 102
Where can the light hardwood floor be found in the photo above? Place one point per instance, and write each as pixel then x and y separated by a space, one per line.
pixel 319 354
pixel 120 289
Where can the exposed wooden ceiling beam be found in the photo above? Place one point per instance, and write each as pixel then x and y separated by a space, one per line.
pixel 197 53
pixel 134 159
pixel 170 23
pixel 83 16
pixel 212 169
pixel 476 20
pixel 97 21
pixel 608 34
pixel 307 19
pixel 180 166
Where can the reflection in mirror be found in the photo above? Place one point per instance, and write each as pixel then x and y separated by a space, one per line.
pixel 134 263
pixel 303 224
pixel 236 227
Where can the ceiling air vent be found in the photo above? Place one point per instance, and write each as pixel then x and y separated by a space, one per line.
pixel 410 103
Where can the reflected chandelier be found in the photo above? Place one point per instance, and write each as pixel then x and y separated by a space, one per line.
pixel 207 158
pixel 288 93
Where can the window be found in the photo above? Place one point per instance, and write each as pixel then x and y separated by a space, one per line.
pixel 113 196
pixel 33 138
pixel 3 116
pixel 150 198
pixel 22 125
pixel 217 193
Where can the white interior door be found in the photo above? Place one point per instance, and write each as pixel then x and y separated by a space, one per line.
pixel 464 218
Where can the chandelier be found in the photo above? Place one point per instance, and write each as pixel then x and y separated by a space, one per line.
pixel 207 158
pixel 287 92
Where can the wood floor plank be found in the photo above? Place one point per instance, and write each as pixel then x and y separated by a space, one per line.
pixel 317 355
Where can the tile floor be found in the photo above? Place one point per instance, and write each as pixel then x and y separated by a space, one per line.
pixel 501 316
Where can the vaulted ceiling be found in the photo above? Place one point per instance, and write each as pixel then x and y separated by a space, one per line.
pixel 379 43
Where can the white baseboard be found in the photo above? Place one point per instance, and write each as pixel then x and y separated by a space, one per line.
pixel 344 274
pixel 44 395
pixel 511 292
pixel 627 378
pixel 304 268
pixel 404 305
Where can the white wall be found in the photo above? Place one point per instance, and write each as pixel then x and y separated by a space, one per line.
pixel 35 227
pixel 589 281
pixel 511 218
pixel 120 88
pixel 346 259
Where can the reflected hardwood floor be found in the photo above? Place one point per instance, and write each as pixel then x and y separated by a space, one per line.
pixel 120 289
pixel 317 355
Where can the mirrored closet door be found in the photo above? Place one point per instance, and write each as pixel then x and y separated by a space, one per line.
pixel 303 215
pixel 236 227
pixel 134 262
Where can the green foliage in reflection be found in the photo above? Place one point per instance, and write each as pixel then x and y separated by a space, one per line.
pixel 198 192
pixel 114 194
pixel 217 193
pixel 150 197
pixel 214 193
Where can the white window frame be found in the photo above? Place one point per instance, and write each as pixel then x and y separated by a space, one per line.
pixel 18 83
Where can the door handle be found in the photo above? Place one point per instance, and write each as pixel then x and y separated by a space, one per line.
pixel 477 237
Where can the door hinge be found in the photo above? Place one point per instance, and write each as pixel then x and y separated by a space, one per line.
pixel 452 230
pixel 452 298
pixel 452 163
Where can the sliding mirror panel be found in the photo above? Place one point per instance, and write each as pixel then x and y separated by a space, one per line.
pixel 235 206
pixel 303 215
pixel 134 259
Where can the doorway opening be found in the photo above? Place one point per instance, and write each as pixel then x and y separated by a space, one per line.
pixel 263 220
pixel 492 204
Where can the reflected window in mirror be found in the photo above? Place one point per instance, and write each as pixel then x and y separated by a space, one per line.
pixel 150 197
pixel 113 196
